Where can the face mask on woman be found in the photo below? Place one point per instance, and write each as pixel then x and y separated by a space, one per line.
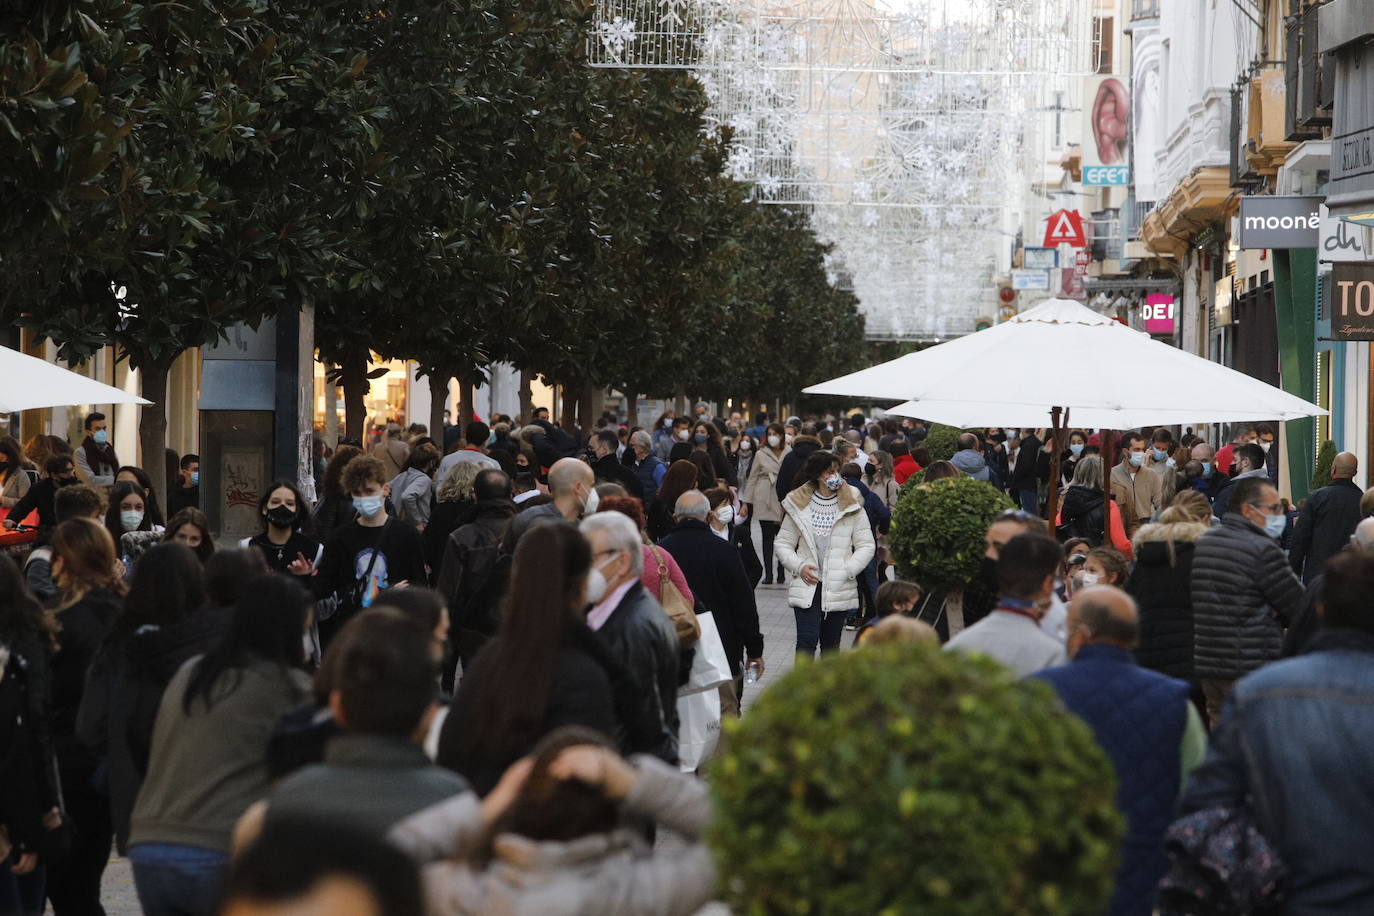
pixel 1091 579
pixel 130 519
pixel 700 438
pixel 725 514
pixel 1076 448
pixel 281 516
pixel 834 481
pixel 774 441
pixel 746 446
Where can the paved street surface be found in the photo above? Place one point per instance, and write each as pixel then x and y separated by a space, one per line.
pixel 779 640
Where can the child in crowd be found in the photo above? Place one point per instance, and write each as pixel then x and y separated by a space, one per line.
pixel 895 597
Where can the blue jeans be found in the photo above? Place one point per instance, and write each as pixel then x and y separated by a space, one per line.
pixel 175 880
pixel 1029 500
pixel 814 628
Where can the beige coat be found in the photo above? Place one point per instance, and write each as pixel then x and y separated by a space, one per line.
pixel 760 490
pixel 851 547
pixel 1139 498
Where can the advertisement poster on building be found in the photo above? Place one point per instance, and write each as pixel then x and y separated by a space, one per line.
pixel 1159 314
pixel 1352 301
pixel 1106 154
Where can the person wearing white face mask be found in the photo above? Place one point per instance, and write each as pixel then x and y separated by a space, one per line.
pixel 826 542
pixel 1244 592
pixel 369 554
pixel 760 493
pixel 635 628
pixel 573 488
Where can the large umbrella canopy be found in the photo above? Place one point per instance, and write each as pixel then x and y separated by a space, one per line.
pixel 30 382
pixel 1063 354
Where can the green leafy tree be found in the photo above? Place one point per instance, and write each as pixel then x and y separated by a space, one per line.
pixel 1326 457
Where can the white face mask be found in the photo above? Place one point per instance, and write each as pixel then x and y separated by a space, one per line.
pixel 684 434
pixel 725 514
pixel 1091 579
pixel 1265 445
pixel 593 501
pixel 596 586
pixel 746 447
pixel 774 441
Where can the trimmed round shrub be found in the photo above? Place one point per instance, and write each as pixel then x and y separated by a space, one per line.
pixel 1326 457
pixel 942 441
pixel 938 530
pixel 901 779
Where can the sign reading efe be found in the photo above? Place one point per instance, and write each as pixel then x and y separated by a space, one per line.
pixel 1352 301
pixel 1280 222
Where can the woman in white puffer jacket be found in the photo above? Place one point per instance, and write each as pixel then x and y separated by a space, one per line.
pixel 825 543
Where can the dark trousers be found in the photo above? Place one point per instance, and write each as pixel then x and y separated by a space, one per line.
pixel 1029 500
pixel 770 531
pixel 744 542
pixel 20 895
pixel 74 884
pixel 175 880
pixel 815 628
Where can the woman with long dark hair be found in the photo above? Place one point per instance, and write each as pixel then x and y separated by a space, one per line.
pixel 208 760
pixel 335 507
pixel 16 474
pixel 131 474
pixel 191 529
pixel 163 624
pixel 28 789
pixel 545 668
pixel 681 477
pixel 284 544
pixel 90 598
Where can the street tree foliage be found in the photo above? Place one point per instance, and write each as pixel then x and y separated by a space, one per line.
pixel 445 181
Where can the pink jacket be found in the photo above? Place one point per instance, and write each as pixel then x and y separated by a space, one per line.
pixel 652 555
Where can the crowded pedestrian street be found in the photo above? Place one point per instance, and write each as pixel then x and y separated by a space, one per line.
pixel 687 458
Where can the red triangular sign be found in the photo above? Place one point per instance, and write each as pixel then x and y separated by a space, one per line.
pixel 1064 227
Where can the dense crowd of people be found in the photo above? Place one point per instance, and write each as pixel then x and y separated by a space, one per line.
pixel 480 672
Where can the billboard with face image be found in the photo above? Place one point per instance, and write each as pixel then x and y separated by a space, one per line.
pixel 1106 153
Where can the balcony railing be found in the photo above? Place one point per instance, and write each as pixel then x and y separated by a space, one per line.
pixel 1309 76
pixel 1144 9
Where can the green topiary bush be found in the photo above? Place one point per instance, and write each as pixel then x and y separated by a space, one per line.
pixel 900 779
pixel 1326 457
pixel 942 442
pixel 937 536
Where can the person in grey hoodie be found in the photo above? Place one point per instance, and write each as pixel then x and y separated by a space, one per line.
pixel 969 459
pixel 549 837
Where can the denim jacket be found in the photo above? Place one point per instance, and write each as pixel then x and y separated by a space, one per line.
pixel 1294 745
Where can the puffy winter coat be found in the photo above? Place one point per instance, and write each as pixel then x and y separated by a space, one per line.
pixel 851 547
pixel 1160 585
pixel 760 490
pixel 1243 592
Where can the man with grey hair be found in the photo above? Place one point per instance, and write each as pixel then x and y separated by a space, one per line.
pixel 637 631
pixel 1142 719
pixel 715 573
pixel 645 465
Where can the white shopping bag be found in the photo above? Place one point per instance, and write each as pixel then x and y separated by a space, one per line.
pixel 710 666
pixel 699 728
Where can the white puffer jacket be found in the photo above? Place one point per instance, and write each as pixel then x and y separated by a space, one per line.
pixel 851 547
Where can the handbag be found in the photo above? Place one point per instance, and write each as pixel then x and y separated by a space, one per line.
pixel 710 664
pixel 699 728
pixel 679 609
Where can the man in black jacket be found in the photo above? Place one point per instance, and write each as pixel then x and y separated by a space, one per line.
pixel 716 576
pixel 607 467
pixel 1021 483
pixel 471 579
pixel 637 630
pixel 1327 521
pixel 60 473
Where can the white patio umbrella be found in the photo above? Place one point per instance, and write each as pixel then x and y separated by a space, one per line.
pixel 1063 354
pixel 29 382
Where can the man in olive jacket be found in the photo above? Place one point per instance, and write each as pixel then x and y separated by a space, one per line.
pixel 1243 591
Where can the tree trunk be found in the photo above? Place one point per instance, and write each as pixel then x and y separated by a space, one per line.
pixel 679 400
pixel 526 395
pixel 586 408
pixel 152 425
pixel 954 612
pixel 465 405
pixel 353 368
pixel 569 417
pixel 438 400
pixel 331 411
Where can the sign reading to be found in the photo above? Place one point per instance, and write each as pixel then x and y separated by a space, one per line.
pixel 1280 222
pixel 1159 314
pixel 1065 227
pixel 1352 301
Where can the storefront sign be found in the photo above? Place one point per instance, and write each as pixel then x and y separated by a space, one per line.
pixel 1040 259
pixel 1107 154
pixel 1352 301
pixel 1280 222
pixel 1352 155
pixel 1221 302
pixel 1030 279
pixel 1342 240
pixel 1159 314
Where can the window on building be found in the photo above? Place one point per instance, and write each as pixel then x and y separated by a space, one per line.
pixel 1104 29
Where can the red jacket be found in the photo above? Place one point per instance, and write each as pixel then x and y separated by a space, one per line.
pixel 903 468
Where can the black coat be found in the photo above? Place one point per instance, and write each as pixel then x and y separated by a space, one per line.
pixel 793 463
pixel 1324 527
pixel 583 693
pixel 609 468
pixel 84 628
pixel 716 576
pixel 1081 515
pixel 643 641
pixel 28 787
pixel 469 558
pixel 1026 472
pixel 123 693
pixel 1159 582
pixel 444 519
pixel 1243 594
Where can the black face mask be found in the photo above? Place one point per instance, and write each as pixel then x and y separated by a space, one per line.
pixel 987 574
pixel 281 516
pixel 66 481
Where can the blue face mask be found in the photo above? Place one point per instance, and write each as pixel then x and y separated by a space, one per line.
pixel 1160 454
pixel 1206 468
pixel 1137 459
pixel 367 506
pixel 1076 448
pixel 699 438
pixel 101 436
pixel 1274 525
pixel 195 478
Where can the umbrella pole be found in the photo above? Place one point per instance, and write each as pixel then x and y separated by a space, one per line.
pixel 1108 448
pixel 1052 496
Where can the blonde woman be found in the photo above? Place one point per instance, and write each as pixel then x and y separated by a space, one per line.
pixel 90 597
pixel 760 493
pixel 454 506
